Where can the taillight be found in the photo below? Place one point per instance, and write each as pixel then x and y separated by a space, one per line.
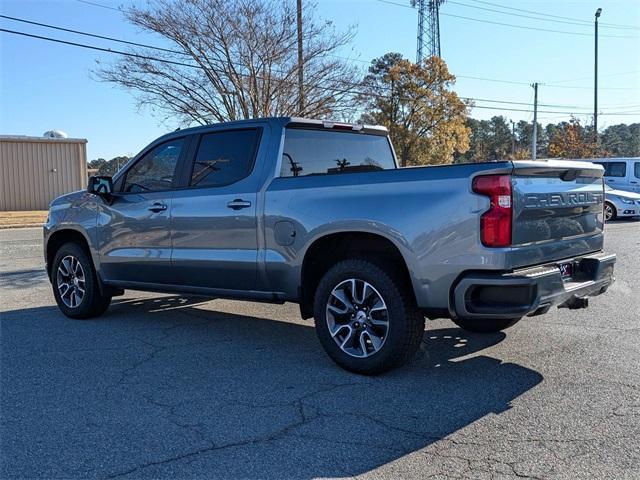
pixel 495 223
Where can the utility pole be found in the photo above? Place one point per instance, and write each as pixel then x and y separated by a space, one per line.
pixel 513 138
pixel 300 60
pixel 595 81
pixel 534 142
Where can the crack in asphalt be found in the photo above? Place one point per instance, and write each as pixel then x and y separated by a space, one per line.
pixel 158 349
pixel 302 420
pixel 520 444
pixel 441 446
pixel 172 416
pixel 441 450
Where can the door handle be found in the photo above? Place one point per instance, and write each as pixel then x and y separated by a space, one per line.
pixel 158 207
pixel 238 203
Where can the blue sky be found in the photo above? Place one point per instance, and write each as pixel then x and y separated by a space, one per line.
pixel 46 85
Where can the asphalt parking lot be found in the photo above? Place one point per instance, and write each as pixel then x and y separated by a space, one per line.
pixel 164 386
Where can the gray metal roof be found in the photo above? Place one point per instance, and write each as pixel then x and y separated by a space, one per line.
pixel 30 139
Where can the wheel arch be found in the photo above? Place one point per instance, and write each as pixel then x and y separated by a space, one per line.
pixel 328 249
pixel 58 238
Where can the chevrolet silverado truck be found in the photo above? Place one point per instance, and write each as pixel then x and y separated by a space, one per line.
pixel 318 213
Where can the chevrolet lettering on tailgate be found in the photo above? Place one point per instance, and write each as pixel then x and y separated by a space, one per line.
pixel 538 200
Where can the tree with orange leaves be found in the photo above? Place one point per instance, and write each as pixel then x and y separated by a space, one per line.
pixel 425 117
pixel 572 140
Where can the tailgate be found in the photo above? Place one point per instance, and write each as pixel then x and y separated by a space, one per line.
pixel 557 210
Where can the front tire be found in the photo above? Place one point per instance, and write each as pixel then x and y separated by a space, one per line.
pixel 75 283
pixel 485 325
pixel 365 317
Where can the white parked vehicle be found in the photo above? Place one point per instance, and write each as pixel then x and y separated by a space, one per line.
pixel 621 173
pixel 619 203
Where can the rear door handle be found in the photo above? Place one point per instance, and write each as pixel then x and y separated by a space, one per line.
pixel 238 203
pixel 158 207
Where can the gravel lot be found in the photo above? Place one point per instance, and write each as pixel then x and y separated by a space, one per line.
pixel 166 386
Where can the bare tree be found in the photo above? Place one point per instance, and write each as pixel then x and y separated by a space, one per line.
pixel 230 60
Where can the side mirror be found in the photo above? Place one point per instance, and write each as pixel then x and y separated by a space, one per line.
pixel 100 185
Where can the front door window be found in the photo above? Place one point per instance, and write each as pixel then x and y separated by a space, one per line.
pixel 155 171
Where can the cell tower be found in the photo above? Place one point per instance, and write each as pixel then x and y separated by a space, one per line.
pixel 429 37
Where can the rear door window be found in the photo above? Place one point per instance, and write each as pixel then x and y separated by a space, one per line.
pixel 614 169
pixel 636 169
pixel 224 157
pixel 316 152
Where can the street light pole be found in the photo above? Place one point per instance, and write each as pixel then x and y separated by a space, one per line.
pixel 595 80
pixel 534 140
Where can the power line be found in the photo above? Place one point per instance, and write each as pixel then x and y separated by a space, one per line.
pixel 95 4
pixel 103 37
pixel 573 87
pixel 177 52
pixel 126 42
pixel 469 77
pixel 523 103
pixel 535 28
pixel 101 49
pixel 634 107
pixel 553 16
pixel 184 54
pixel 623 105
pixel 547 111
pixel 581 23
pixel 333 89
pixel 94 35
pixel 497 80
pixel 395 3
pixel 190 65
pixel 548 30
pixel 632 72
pixel 518 14
pixel 550 85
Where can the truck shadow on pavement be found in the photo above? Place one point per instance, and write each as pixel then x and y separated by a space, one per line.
pixel 158 388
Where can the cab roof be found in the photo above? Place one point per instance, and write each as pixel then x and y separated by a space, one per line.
pixel 298 122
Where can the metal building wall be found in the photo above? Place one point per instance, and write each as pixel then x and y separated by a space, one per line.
pixel 34 170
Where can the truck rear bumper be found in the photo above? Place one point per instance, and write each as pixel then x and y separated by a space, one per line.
pixel 532 291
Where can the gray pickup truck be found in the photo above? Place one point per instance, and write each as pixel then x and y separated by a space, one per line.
pixel 318 213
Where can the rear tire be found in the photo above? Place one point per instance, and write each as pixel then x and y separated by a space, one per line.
pixel 610 212
pixel 377 328
pixel 75 283
pixel 484 325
